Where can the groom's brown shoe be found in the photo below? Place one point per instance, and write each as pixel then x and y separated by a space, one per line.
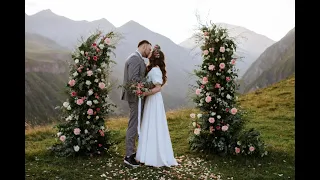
pixel 131 160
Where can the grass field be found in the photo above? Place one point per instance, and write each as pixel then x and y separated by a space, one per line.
pixel 270 110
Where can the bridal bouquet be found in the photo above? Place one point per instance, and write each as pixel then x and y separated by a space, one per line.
pixel 138 88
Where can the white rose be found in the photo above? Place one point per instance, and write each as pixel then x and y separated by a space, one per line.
pixel 69 108
pixel 96 80
pixel 59 134
pixel 75 74
pixel 76 148
pixel 213 113
pixel 82 52
pixel 89 103
pixel 97 117
pixel 101 46
pixel 90 92
pixel 88 117
pixel 86 131
pixel 65 104
pixel 88 82
pixel 99 70
pixel 76 61
pixel 102 127
pixel 194 124
pixel 95 101
pixel 218 116
pixel 199 115
pixel 228 96
pixel 87 122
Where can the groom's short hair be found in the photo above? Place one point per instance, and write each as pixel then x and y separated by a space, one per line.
pixel 144 42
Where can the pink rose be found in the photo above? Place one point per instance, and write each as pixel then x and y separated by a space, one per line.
pixel 206 33
pixel 107 41
pixel 211 120
pixel 234 111
pixel 228 79
pixel 217 86
pixel 233 61
pixel 211 67
pixel 101 132
pixel 73 94
pixel 208 99
pixel 62 138
pixel 202 86
pixel 86 53
pixel 80 101
pixel 205 52
pixel 197 131
pixel 90 112
pixel 222 65
pixel 198 91
pixel 204 80
pixel 95 58
pixel 102 85
pixel 251 148
pixel 222 49
pixel 224 128
pixel 76 131
pixel 237 150
pixel 193 115
pixel 89 73
pixel 72 82
pixel 211 49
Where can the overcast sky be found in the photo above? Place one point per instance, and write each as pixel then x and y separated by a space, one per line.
pixel 176 19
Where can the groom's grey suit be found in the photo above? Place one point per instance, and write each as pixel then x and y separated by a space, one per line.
pixel 134 70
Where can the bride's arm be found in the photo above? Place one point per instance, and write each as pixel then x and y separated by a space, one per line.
pixel 154 90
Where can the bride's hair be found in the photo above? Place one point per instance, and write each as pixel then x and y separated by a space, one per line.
pixel 157 59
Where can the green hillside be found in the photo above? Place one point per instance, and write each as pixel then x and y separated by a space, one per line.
pixel 270 111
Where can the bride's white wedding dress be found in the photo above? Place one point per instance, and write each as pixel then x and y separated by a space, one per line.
pixel 154 145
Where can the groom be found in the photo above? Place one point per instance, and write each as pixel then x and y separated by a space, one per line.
pixel 134 70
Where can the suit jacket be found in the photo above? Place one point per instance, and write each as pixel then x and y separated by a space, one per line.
pixel 134 70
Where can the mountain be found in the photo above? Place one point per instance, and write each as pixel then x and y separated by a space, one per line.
pixel 249 45
pixel 46 72
pixel 276 63
pixel 65 31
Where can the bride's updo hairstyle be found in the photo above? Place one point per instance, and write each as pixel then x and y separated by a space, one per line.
pixel 157 59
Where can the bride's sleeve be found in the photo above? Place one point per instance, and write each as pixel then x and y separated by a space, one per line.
pixel 157 77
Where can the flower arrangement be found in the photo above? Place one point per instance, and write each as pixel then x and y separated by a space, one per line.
pixel 218 127
pixel 83 130
pixel 138 88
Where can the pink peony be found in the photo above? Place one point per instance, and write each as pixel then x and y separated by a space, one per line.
pixel 76 131
pixel 102 85
pixel 107 41
pixel 62 138
pixel 205 52
pixel 237 150
pixel 211 67
pixel 211 120
pixel 211 49
pixel 80 101
pixel 228 79
pixel 208 99
pixel 192 115
pixel 89 73
pixel 198 91
pixel 233 61
pixel 224 128
pixel 222 65
pixel 211 129
pixel 204 80
pixel 217 86
pixel 251 148
pixel 72 82
pixel 234 111
pixel 90 112
pixel 222 49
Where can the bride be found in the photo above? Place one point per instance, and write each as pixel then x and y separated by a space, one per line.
pixel 154 145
